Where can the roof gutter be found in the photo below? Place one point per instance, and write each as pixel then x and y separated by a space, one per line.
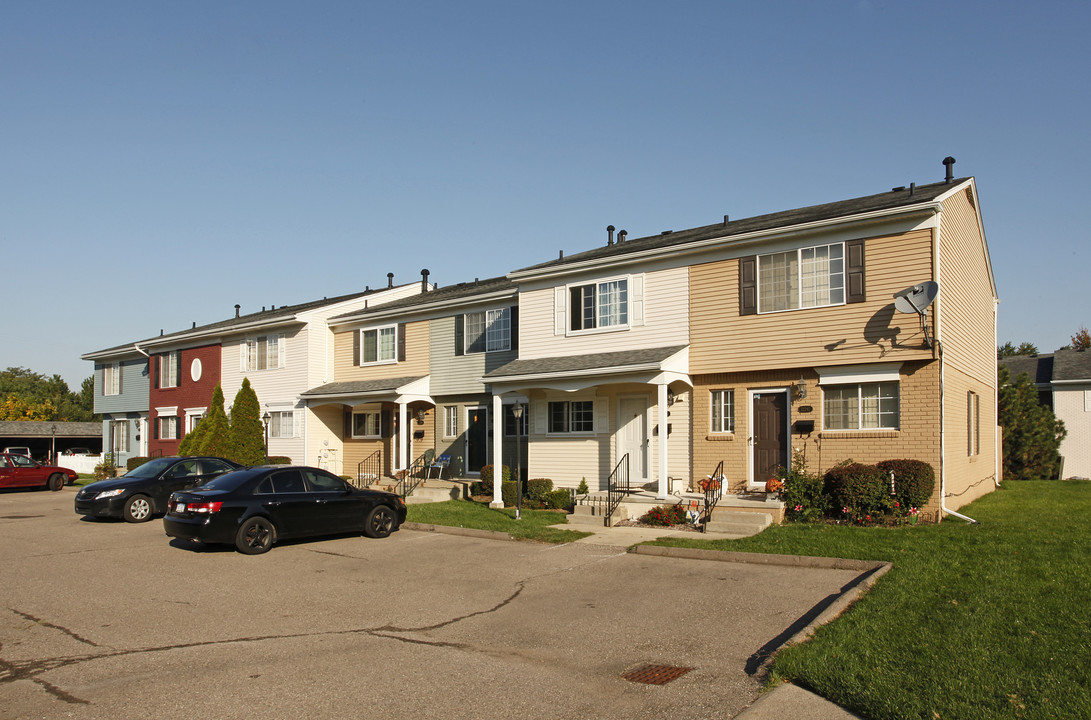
pixel 932 207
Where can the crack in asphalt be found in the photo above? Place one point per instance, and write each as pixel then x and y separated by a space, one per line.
pixel 12 671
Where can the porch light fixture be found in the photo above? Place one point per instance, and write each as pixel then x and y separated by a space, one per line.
pixel 421 414
pixel 517 413
pixel 670 397
pixel 800 389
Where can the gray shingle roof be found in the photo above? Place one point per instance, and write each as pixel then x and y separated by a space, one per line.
pixel 36 428
pixel 884 201
pixel 450 293
pixel 619 360
pixel 1038 367
pixel 1071 364
pixel 356 387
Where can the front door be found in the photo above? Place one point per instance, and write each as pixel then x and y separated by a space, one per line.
pixel 632 437
pixel 770 435
pixel 477 439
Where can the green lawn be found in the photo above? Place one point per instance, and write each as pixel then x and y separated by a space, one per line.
pixel 975 621
pixel 534 524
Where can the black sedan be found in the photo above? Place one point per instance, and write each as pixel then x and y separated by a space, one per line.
pixel 144 490
pixel 256 507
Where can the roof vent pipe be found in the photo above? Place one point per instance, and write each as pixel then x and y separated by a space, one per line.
pixel 949 162
pixel 194 325
pixel 237 308
pixel 725 219
pixel 390 280
pixel 621 236
pixel 609 235
pixel 912 187
pixel 424 280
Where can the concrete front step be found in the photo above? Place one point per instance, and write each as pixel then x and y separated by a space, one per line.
pixel 738 523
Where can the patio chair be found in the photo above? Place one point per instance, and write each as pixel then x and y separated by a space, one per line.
pixel 440 465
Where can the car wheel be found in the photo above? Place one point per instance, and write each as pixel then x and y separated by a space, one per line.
pixel 380 522
pixel 255 536
pixel 56 482
pixel 138 509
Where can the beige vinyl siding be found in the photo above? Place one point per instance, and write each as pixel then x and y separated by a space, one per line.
pixel 968 477
pixel 838 335
pixel 417 345
pixel 665 320
pixel 325 449
pixel 454 374
pixel 966 302
pixel 1072 404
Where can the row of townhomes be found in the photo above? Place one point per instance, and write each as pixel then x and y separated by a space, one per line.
pixel 746 342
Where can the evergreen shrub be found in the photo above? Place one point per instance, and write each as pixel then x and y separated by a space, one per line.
pixel 914 481
pixel 860 492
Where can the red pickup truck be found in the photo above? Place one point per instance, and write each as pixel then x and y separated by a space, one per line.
pixel 21 471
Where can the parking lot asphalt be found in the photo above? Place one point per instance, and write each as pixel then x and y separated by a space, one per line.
pixel 111 620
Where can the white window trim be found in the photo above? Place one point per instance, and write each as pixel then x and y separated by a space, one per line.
pixel 799 288
pixel 108 389
pixel 252 341
pixel 845 375
pixel 466 341
pixel 191 414
pixel 448 411
pixel 374 410
pixel 165 361
pixel 378 329
pixel 861 429
pixel 711 405
pixel 569 332
pixel 570 433
pixel 279 412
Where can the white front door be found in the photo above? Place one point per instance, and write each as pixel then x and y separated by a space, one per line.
pixel 632 436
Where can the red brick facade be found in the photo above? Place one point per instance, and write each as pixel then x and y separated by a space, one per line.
pixel 198 374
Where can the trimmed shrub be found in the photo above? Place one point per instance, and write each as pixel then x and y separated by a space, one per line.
pixel 134 462
pixel 106 469
pixel 538 488
pixel 914 481
pixel 860 492
pixel 507 492
pixel 664 515
pixel 558 499
pixel 582 488
pixel 486 478
pixel 279 460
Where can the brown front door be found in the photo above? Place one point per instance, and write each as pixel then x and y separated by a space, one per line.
pixel 770 435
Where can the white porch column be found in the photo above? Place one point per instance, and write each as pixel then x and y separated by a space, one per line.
pixel 497 452
pixel 662 407
pixel 403 431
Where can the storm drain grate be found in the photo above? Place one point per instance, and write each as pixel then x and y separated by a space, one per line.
pixel 655 674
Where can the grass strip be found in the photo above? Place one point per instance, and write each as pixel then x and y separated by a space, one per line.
pixel 535 524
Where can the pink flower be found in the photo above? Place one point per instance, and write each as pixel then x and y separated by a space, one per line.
pixel 844 509
pixel 799 508
pixel 868 518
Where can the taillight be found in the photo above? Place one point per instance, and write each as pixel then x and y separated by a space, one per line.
pixel 204 507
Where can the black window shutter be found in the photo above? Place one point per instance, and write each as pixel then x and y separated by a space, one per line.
pixel 575 308
pixel 515 329
pixel 348 419
pixel 385 422
pixel 748 285
pixel 155 374
pixel 460 334
pixel 401 342
pixel 179 366
pixel 356 347
pixel 856 287
pixel 155 429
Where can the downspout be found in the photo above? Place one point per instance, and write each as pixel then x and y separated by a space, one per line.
pixel 942 394
pixel 997 446
pixel 137 348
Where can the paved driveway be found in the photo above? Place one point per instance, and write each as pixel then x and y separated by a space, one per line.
pixel 111 620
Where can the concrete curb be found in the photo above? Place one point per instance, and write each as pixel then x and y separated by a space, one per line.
pixel 451 530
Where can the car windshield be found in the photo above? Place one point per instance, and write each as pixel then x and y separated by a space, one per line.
pixel 151 468
pixel 229 481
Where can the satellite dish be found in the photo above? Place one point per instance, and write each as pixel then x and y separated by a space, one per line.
pixel 917 299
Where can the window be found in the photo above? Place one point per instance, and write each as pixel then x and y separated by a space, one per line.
pixel 365 425
pixel 572 417
pixel 168 427
pixel 111 379
pixel 168 369
pixel 804 278
pixel 119 435
pixel 509 421
pixel 450 421
pixel 263 353
pixel 282 424
pixel 379 345
pixel 599 305
pixel 723 411
pixel 193 419
pixel 488 331
pixel 972 419
pixel 866 406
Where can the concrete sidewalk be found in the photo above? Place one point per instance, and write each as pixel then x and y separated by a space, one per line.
pixel 790 701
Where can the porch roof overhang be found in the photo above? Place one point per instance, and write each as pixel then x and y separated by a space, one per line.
pixel 654 366
pixel 358 392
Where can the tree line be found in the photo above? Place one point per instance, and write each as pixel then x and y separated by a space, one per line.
pixel 27 395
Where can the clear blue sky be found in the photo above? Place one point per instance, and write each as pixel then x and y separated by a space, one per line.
pixel 162 162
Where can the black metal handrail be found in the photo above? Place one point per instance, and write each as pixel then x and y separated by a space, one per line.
pixel 713 485
pixel 369 470
pixel 616 488
pixel 414 475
